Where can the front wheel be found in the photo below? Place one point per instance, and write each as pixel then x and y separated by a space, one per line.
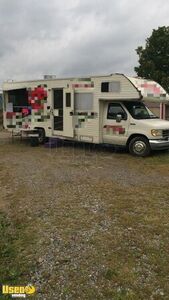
pixel 139 146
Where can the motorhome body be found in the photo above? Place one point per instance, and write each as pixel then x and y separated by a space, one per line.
pixel 98 109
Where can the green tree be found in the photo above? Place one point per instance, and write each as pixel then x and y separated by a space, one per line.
pixel 154 58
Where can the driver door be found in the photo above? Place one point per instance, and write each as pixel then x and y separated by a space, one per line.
pixel 115 130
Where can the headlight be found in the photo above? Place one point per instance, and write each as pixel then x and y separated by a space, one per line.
pixel 156 132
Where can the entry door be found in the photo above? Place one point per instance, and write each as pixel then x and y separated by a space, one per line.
pixel 115 132
pixel 63 111
pixel 68 112
pixel 58 111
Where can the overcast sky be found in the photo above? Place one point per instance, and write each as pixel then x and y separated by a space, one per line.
pixel 74 37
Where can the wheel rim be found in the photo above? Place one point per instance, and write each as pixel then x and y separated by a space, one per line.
pixel 139 147
pixel 41 136
pixel 40 139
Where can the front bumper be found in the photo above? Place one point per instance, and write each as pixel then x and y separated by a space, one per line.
pixel 159 144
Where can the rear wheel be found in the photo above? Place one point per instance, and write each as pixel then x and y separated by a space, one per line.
pixel 42 137
pixel 139 146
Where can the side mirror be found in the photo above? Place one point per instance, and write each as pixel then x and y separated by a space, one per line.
pixel 118 118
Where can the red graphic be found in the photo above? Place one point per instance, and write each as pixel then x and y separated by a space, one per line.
pixel 9 115
pixel 81 85
pixel 151 87
pixel 36 96
pixel 25 112
pixel 115 129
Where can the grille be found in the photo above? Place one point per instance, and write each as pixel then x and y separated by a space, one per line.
pixel 166 133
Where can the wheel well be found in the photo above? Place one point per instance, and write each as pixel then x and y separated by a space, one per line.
pixel 41 128
pixel 133 136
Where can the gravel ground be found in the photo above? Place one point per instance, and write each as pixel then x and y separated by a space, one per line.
pixel 95 216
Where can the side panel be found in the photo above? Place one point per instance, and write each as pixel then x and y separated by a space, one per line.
pixel 86 116
pixel 115 87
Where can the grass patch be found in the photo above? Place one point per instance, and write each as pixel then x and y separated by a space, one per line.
pixel 15 266
pixel 97 238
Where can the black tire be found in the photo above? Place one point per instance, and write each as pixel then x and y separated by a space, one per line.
pixel 42 137
pixel 139 146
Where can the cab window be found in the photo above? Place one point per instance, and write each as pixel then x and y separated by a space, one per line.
pixel 115 109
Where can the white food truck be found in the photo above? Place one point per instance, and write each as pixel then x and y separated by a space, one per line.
pixel 98 109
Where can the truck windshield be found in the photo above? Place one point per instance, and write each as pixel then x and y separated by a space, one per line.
pixel 138 110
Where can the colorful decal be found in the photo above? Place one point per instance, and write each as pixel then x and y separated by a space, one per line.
pixel 37 97
pixel 35 112
pixel 26 112
pixel 149 88
pixel 83 118
pixel 82 85
pixel 113 129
